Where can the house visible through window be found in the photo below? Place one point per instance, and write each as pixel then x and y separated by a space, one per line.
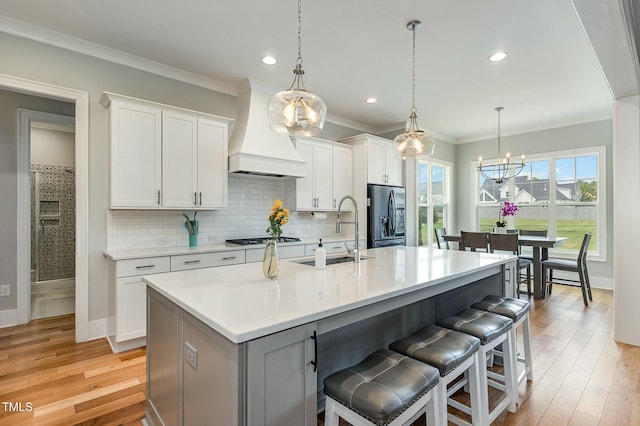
pixel 559 192
pixel 433 200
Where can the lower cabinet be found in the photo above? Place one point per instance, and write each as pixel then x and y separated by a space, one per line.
pixel 195 373
pixel 281 378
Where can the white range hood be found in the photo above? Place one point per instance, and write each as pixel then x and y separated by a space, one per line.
pixel 253 147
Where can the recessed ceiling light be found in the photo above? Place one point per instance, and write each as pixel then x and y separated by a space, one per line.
pixel 498 56
pixel 371 100
pixel 269 60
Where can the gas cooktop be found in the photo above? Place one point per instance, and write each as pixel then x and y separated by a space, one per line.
pixel 261 240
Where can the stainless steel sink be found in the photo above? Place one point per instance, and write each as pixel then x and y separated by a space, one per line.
pixel 331 260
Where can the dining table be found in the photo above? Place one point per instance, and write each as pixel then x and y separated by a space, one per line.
pixel 540 246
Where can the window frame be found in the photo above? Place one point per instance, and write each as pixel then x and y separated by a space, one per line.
pixel 447 197
pixel 600 251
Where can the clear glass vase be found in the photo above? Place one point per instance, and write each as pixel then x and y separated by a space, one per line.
pixel 271 262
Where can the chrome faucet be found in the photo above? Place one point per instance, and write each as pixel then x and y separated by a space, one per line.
pixel 356 248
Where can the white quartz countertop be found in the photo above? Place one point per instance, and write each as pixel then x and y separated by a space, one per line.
pixel 206 248
pixel 240 304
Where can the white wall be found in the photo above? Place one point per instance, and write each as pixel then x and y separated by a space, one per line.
pixel 626 157
pixel 52 147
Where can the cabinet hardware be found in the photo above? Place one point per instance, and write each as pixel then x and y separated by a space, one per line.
pixel 158 197
pixel 189 262
pixel 201 198
pixel 334 202
pixel 315 351
pixel 195 198
pixel 229 258
pixel 145 266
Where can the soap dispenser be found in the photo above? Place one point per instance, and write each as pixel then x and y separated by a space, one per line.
pixel 321 256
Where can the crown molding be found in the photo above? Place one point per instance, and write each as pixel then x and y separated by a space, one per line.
pixel 350 123
pixel 32 32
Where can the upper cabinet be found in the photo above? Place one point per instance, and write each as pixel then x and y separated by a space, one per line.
pixel 165 157
pixel 383 163
pixel 329 170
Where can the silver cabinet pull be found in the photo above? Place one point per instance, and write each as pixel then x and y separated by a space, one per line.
pixel 195 198
pixel 145 266
pixel 334 202
pixel 158 197
pixel 201 198
pixel 229 258
pixel 190 262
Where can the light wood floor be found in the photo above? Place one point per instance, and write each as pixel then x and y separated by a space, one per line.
pixel 581 376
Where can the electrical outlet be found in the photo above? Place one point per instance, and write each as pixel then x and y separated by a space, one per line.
pixel 191 355
pixel 5 290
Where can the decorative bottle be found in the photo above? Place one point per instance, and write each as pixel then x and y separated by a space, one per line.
pixel 321 256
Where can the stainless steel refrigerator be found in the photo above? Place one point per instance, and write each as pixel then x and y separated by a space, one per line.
pixel 385 216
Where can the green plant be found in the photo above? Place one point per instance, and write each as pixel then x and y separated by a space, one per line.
pixel 191 225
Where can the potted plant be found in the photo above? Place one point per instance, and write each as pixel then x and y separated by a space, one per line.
pixel 507 209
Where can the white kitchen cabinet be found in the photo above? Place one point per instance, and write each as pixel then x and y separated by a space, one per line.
pixel 328 176
pixel 206 260
pixel 135 154
pixel 342 177
pixel 164 157
pixel 334 247
pixel 179 160
pixel 126 300
pixel 194 152
pixel 382 163
pixel 284 252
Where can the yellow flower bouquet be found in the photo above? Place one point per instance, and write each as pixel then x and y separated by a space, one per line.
pixel 279 217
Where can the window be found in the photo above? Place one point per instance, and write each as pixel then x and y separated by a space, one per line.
pixel 433 200
pixel 561 192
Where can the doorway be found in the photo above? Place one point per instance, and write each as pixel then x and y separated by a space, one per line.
pixel 80 100
pixel 53 206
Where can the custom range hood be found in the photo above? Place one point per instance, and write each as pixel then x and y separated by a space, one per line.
pixel 254 148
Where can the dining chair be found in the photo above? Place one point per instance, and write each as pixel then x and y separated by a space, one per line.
pixel 440 233
pixel 530 233
pixel 578 265
pixel 509 243
pixel 475 240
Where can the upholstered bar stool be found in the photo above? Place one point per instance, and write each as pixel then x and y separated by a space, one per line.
pixel 518 311
pixel 453 354
pixel 492 330
pixel 386 388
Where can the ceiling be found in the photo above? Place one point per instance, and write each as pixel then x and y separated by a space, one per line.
pixel 354 49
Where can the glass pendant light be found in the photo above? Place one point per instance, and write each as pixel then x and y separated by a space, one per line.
pixel 297 111
pixel 414 142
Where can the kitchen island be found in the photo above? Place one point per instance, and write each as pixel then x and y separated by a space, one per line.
pixel 227 346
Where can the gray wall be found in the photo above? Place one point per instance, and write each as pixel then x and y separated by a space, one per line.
pixel 583 135
pixel 9 104
pixel 35 61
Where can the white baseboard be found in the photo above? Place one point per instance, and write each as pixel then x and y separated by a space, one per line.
pixel 596 282
pixel 97 329
pixel 8 318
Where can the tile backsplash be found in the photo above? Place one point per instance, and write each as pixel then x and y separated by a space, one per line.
pixel 250 201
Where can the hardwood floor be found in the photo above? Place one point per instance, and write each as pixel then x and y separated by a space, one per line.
pixel 581 376
pixel 66 383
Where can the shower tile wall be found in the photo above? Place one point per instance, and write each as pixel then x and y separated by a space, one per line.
pixel 56 206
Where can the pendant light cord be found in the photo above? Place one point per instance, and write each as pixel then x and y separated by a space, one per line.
pixel 413 81
pixel 499 151
pixel 299 60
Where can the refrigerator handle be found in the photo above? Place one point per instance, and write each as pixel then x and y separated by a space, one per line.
pixel 392 213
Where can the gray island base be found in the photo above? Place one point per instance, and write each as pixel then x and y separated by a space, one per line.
pixel 225 347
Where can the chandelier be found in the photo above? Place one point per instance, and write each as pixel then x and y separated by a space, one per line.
pixel 500 171
pixel 414 142
pixel 297 111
